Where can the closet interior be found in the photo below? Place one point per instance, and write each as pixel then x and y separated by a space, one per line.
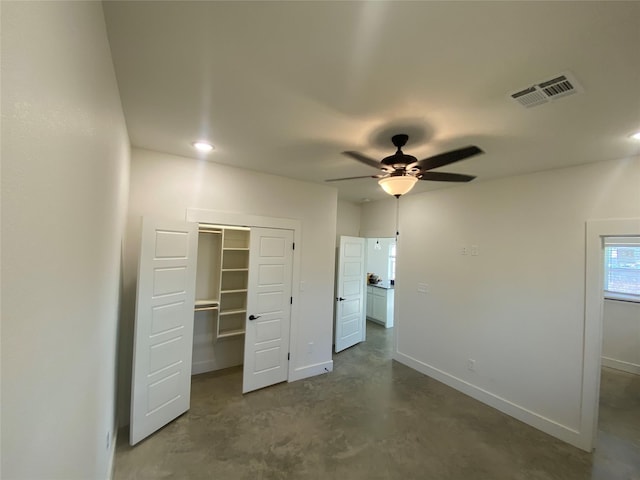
pixel 222 275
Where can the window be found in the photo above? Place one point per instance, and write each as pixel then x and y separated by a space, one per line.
pixel 622 268
pixel 392 261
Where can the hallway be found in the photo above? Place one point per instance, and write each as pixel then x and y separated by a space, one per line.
pixel 373 418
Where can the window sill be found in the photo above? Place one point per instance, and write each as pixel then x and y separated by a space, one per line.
pixel 621 297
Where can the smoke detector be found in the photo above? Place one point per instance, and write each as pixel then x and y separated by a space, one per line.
pixel 550 90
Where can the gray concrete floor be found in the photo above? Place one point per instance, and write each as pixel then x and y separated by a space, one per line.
pixel 373 418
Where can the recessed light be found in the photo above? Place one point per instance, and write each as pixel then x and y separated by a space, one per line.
pixel 635 136
pixel 202 146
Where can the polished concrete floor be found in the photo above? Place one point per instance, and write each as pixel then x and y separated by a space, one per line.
pixel 373 418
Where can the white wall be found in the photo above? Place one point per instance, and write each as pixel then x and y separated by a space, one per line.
pixel 348 220
pixel 65 157
pixel 378 219
pixel 621 336
pixel 517 308
pixel 164 185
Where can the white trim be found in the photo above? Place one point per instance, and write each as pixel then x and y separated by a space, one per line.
pixel 200 215
pixel 206 366
pixel 112 452
pixel 621 365
pixel 596 230
pixel 621 297
pixel 553 428
pixel 310 370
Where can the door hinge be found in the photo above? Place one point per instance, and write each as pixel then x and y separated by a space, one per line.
pixel 290 300
pixel 289 356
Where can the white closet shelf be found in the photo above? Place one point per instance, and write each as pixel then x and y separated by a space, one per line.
pixel 205 309
pixel 231 312
pixel 235 270
pixel 207 302
pixel 240 290
pixel 231 333
pixel 238 249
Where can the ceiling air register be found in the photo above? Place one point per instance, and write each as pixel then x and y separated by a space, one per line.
pixel 547 91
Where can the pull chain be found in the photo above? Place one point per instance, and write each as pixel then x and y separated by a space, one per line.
pixel 397 216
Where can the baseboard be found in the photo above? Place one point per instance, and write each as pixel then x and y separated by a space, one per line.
pixel 551 427
pixel 209 366
pixel 112 453
pixel 621 365
pixel 311 371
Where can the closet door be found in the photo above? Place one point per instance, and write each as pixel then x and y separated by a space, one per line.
pixel 161 383
pixel 266 351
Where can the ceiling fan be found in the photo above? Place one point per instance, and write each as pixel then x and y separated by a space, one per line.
pixel 400 171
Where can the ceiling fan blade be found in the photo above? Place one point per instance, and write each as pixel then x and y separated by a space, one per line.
pixel 445 177
pixel 364 159
pixel 448 157
pixel 353 178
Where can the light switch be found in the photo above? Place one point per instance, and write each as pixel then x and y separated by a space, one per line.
pixel 475 250
pixel 423 288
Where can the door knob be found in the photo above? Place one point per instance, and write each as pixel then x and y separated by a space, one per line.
pixel 254 317
pixel 340 299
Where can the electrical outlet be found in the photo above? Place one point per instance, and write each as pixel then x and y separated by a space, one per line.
pixel 475 250
pixel 464 251
pixel 471 364
pixel 423 288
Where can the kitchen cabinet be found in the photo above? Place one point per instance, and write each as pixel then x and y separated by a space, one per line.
pixel 380 304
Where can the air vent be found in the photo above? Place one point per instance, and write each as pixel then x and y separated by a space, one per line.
pixel 547 91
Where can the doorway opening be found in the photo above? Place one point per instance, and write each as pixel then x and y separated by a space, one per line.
pixel 619 396
pixel 365 281
pixel 380 261
pixel 597 233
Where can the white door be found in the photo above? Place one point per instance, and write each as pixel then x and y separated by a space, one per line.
pixel 350 313
pixel 266 349
pixel 163 338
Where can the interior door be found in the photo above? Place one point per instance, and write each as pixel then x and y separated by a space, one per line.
pixel 350 313
pixel 266 351
pixel 163 338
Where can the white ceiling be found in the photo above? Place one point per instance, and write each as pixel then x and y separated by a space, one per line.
pixel 284 87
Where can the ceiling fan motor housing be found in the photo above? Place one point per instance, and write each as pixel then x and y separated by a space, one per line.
pixel 400 140
pixel 399 159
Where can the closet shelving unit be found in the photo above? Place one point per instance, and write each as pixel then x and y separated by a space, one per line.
pixel 222 278
pixel 234 276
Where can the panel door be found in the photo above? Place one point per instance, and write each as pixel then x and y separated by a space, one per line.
pixel 266 352
pixel 350 306
pixel 161 380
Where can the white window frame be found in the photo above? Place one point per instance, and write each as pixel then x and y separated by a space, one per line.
pixel 392 261
pixel 618 242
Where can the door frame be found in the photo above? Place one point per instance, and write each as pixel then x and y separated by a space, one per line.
pixel 199 215
pixel 596 230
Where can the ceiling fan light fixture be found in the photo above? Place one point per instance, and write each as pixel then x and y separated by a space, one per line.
pixel 397 185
